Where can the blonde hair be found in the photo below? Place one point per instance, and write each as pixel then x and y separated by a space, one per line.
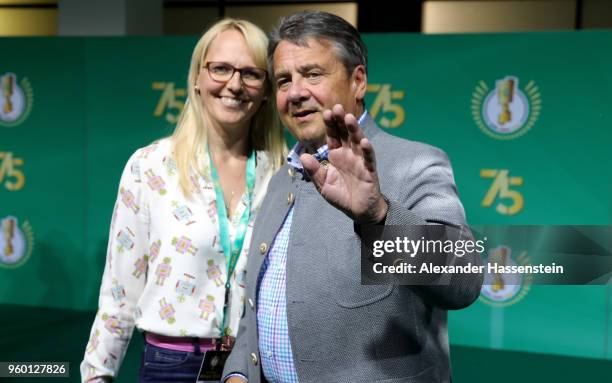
pixel 189 138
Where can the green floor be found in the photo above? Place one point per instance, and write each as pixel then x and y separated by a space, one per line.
pixel 39 334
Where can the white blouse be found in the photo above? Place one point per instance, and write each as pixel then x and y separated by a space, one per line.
pixel 165 268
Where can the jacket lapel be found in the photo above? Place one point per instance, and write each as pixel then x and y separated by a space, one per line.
pixel 269 220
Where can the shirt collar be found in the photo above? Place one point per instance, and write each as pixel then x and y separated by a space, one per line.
pixel 293 158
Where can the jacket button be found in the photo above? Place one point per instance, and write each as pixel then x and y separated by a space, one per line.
pixel 263 247
pixel 254 359
pixel 290 198
pixel 251 304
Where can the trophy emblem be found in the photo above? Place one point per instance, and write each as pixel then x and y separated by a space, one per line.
pixel 7 92
pixel 508 110
pixel 15 100
pixel 16 242
pixel 498 289
pixel 505 94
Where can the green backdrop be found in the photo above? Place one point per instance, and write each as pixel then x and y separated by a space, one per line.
pixel 81 106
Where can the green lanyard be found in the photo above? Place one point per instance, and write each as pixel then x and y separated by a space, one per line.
pixel 232 251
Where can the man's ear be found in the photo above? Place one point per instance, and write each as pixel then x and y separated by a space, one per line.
pixel 359 82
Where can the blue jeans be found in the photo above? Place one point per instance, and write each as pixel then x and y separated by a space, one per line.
pixel 161 365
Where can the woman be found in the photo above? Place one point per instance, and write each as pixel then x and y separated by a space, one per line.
pixel 184 213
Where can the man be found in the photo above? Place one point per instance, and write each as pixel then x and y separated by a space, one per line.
pixel 308 318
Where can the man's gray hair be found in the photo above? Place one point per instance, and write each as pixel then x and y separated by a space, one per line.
pixel 300 27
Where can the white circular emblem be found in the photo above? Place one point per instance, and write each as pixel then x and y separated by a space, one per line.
pixel 15 99
pixel 12 242
pixel 15 242
pixel 504 289
pixel 507 111
pixel 518 112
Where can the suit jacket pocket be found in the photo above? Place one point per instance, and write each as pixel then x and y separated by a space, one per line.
pixel 344 272
pixel 158 357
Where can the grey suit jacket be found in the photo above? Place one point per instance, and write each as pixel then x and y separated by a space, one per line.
pixel 340 330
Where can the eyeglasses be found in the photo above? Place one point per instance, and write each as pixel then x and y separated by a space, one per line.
pixel 223 72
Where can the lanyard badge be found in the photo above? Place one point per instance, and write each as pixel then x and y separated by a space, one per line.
pixel 231 250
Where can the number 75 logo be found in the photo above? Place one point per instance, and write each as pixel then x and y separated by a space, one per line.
pixel 9 168
pixel 501 188
pixel 383 104
pixel 171 101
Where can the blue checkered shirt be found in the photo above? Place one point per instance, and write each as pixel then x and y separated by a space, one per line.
pixel 274 345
